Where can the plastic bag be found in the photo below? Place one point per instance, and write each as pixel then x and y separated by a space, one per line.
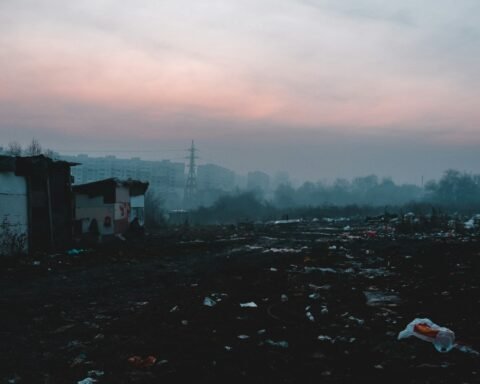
pixel 443 339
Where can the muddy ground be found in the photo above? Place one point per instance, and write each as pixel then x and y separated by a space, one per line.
pixel 330 302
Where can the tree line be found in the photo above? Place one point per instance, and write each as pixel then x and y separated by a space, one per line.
pixel 14 148
pixel 363 196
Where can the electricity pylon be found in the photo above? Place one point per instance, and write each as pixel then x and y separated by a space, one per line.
pixel 191 184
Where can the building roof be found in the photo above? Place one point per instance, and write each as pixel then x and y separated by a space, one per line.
pixel 99 188
pixel 23 165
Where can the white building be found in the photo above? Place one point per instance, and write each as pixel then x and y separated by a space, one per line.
pixel 108 207
pixel 35 204
pixel 13 208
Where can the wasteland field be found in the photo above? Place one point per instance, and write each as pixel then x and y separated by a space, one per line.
pixel 282 302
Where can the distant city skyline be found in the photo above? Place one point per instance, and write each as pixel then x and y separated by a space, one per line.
pixel 318 88
pixel 343 170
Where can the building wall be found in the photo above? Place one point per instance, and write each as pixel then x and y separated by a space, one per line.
pixel 211 176
pixel 137 206
pixel 88 209
pixel 122 209
pixel 13 207
pixel 120 212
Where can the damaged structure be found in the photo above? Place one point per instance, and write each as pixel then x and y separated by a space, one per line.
pixel 36 204
pixel 109 207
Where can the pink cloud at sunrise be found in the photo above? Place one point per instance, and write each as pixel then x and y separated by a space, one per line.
pixel 398 69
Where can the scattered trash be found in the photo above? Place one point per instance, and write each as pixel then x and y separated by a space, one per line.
pixel 279 344
pixel 470 224
pixel 228 348
pixel 443 339
pixel 284 298
pixel 78 360
pixel 88 380
pixel 273 269
pixel 261 331
pixel 376 298
pixel 325 338
pixel 250 304
pixel 174 309
pixel 243 337
pixel 319 287
pixel 63 329
pixel 357 320
pixel 209 302
pixel 282 250
pixel 318 269
pixel 139 362
pixel 96 373
pixel 310 316
pixel 74 252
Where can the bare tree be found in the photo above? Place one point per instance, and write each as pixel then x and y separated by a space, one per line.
pixel 14 149
pixel 49 153
pixel 34 149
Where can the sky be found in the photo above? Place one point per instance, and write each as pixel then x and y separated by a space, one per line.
pixel 318 88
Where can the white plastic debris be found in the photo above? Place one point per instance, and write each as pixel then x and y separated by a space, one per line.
pixel 284 298
pixel 310 316
pixel 88 380
pixel 443 339
pixel 174 309
pixel 96 373
pixel 279 344
pixel 319 269
pixel 325 338
pixel 250 304
pixel 243 337
pixel 357 320
pixel 209 302
pixel 282 250
pixel 377 298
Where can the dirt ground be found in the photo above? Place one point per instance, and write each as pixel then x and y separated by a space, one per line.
pixel 325 304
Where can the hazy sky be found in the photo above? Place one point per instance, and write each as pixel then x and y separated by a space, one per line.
pixel 320 88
